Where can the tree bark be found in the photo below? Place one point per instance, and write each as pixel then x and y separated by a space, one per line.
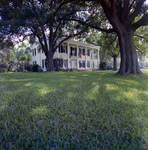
pixel 129 60
pixel 50 66
pixel 115 63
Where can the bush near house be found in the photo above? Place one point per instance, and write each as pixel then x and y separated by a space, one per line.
pixel 3 68
pixel 103 65
pixel 58 64
pixel 35 68
pixel 28 67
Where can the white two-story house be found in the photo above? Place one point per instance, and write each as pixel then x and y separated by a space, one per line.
pixel 75 55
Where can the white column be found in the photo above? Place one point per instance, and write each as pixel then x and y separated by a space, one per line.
pixel 90 59
pixel 98 59
pixel 77 57
pixel 68 55
pixel 57 51
pixel 85 58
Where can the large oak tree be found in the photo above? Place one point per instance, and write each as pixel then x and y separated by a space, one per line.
pixel 122 16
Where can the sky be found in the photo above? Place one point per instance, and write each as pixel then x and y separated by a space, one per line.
pixel 146 1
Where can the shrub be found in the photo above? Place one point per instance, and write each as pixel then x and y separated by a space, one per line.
pixel 10 68
pixel 28 67
pixel 2 70
pixel 20 69
pixel 35 68
pixel 58 64
pixel 109 66
pixel 3 66
pixel 103 65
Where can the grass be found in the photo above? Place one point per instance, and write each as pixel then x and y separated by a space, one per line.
pixel 73 110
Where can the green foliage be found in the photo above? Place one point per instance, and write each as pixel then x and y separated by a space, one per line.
pixel 28 67
pixel 3 67
pixel 35 68
pixel 58 64
pixel 38 17
pixel 2 70
pixel 109 65
pixel 6 51
pixel 73 110
pixel 103 65
pixel 141 42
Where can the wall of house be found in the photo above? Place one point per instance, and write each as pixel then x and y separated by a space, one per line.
pixel 69 61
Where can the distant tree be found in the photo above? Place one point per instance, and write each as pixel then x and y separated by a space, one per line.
pixel 23 55
pixel 109 46
pixel 6 51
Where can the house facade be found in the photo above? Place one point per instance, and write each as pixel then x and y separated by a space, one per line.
pixel 75 55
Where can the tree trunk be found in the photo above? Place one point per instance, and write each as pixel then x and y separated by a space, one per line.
pixel 115 63
pixel 50 66
pixel 23 66
pixel 129 60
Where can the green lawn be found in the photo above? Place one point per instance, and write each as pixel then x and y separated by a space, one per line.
pixel 73 110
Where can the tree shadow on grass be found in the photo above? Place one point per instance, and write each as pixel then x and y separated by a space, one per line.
pixel 72 110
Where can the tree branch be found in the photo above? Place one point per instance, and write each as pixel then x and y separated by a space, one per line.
pixel 142 22
pixel 68 37
pixel 93 26
pixel 137 10
pixel 141 37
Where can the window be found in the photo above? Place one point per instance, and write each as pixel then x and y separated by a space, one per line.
pixel 73 51
pixel 88 64
pixel 88 52
pixel 35 51
pixel 83 51
pixel 34 62
pixel 62 50
pixel 43 63
pixel 79 63
pixel 38 49
pixel 32 52
pixel 83 64
pixel 65 62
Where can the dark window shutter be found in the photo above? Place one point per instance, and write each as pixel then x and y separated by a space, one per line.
pixel 75 51
pixel 88 52
pixel 83 51
pixel 35 51
pixel 60 49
